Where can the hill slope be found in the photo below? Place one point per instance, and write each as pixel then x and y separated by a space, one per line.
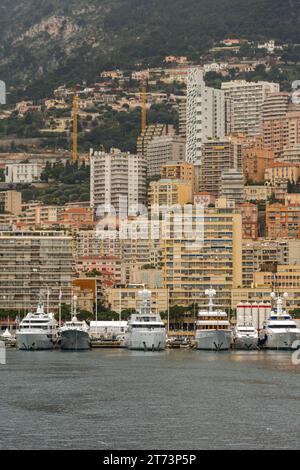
pixel 73 39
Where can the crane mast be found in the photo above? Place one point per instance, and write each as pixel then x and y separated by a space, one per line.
pixel 75 126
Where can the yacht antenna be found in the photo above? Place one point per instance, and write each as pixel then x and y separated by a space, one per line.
pixel 75 306
pixel 279 301
pixel 48 298
pixel 59 308
pixel 211 293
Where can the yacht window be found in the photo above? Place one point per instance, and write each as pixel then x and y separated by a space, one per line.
pixel 274 327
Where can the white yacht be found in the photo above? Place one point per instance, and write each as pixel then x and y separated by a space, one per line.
pixel 213 327
pixel 146 330
pixel 37 330
pixel 8 338
pixel 245 336
pixel 280 331
pixel 75 334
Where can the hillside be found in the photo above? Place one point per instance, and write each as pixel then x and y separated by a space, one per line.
pixel 74 39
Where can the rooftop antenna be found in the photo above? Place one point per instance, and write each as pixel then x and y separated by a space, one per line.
pixel 211 293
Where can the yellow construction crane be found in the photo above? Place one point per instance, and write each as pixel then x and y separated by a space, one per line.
pixel 144 104
pixel 75 126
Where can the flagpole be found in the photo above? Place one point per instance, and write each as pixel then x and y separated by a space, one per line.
pixel 168 305
pixel 59 308
pixel 48 297
pixel 96 307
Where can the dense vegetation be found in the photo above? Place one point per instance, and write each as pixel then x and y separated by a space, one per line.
pixel 91 36
pixel 121 130
pixel 68 183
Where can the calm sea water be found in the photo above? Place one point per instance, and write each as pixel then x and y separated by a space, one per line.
pixel 116 399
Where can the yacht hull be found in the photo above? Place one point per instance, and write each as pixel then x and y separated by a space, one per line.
pixel 74 340
pixel 246 343
pixel 34 341
pixel 146 340
pixel 281 340
pixel 213 340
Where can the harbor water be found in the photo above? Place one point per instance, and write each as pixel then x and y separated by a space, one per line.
pixel 176 399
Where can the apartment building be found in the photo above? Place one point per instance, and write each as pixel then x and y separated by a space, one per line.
pixel 232 185
pixel 182 116
pixel 107 267
pixel 90 243
pixel 292 198
pixel 247 99
pixel 255 161
pixel 249 214
pixel 23 173
pixel 11 201
pixel 35 215
pixel 281 133
pixel 262 294
pixel 275 105
pixel 162 150
pixel 205 111
pixel 290 154
pixel 262 254
pixel 283 221
pixel 285 277
pixel 125 298
pixel 191 265
pixel 258 193
pixel 282 171
pixel 78 217
pixel 169 192
pixel 152 131
pixel 118 181
pixel 31 264
pixel 218 156
pixel 85 290
pixel 179 171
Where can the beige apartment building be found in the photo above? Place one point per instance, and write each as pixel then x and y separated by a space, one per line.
pixel 282 171
pixel 11 201
pixel 266 255
pixel 179 171
pixel 281 133
pixel 257 193
pixel 283 221
pixel 37 215
pixel 213 259
pixel 262 294
pixel 255 161
pixel 218 156
pixel 169 192
pixel 285 277
pixel 124 298
pixel 31 264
